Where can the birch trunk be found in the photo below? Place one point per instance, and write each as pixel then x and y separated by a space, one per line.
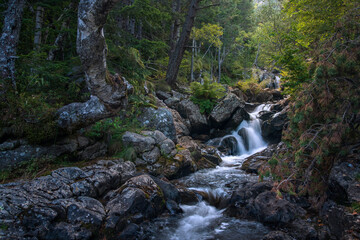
pixel 38 26
pixel 9 40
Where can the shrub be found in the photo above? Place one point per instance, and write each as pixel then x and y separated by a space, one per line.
pixel 205 95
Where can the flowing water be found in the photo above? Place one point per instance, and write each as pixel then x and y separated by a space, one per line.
pixel 203 221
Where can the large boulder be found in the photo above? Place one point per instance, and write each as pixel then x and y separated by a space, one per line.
pixel 77 115
pixel 139 142
pixel 189 110
pixel 271 129
pixel 229 146
pixel 61 205
pixel 239 115
pixel 224 110
pixel 159 119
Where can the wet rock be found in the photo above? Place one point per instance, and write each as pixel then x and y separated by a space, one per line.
pixel 235 120
pixel 224 110
pixel 264 96
pixel 77 115
pixel 229 146
pixel 265 115
pixel 86 211
pixel 169 190
pixel 272 128
pixel 182 165
pixel 173 207
pixel 244 136
pixel 138 142
pixel 302 230
pixel 160 119
pixel 253 163
pixel 130 232
pixel 277 235
pixel 189 110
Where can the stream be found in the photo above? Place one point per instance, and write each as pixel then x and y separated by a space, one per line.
pixel 204 221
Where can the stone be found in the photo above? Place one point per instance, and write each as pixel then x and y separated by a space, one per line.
pixel 86 211
pixel 277 235
pixel 171 102
pixel 139 142
pixel 159 119
pixel 181 126
pixel 152 156
pixel 229 146
pixel 245 138
pixel 64 230
pixel 130 232
pixel 188 143
pixel 166 147
pixel 99 149
pixel 157 135
pixel 343 184
pixel 235 120
pixel 271 129
pixel 264 96
pixel 189 110
pixel 224 110
pixel 162 95
pixel 77 115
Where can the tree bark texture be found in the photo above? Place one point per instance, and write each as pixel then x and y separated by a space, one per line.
pixel 175 27
pixel 176 57
pixel 92 50
pixel 9 39
pixel 38 26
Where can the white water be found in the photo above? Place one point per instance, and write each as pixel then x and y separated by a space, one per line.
pixel 277 82
pixel 202 221
pixel 252 130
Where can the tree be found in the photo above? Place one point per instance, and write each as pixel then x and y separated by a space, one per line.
pixel 92 50
pixel 177 55
pixel 9 40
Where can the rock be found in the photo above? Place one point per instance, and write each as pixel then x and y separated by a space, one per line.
pixel 160 119
pixel 130 232
pixel 58 205
pixel 276 95
pixel 235 120
pixel 169 190
pixel 157 135
pixel 10 145
pixel 138 142
pixel 162 95
pixel 167 147
pixel 172 102
pixel 264 96
pixel 339 220
pixel 188 110
pixel 188 143
pixel 344 187
pixel 265 115
pixel 271 129
pixel 68 231
pixel 229 146
pixel 139 195
pixel 269 209
pixel 181 126
pixel 253 163
pixel 173 207
pixel 151 156
pixel 77 115
pixel 224 110
pixel 178 95
pixel 244 136
pixel 277 235
pixel 99 149
pixel 239 94
pixel 302 230
pixel 182 165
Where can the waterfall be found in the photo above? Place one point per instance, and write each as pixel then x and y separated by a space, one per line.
pixel 248 134
pixel 277 82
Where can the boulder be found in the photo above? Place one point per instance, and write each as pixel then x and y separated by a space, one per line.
pixel 181 126
pixel 139 142
pixel 253 163
pixel 189 110
pixel 271 129
pixel 277 235
pixel 152 156
pixel 159 119
pixel 344 187
pixel 77 115
pixel 181 165
pixel 245 138
pixel 224 110
pixel 229 146
pixel 171 102
pixel 188 143
pixel 162 95
pixel 265 115
pixel 139 195
pixel 235 120
pixel 167 147
pixel 264 96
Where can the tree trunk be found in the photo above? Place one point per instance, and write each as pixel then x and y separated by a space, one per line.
pixel 175 27
pixel 177 55
pixel 192 61
pixel 9 40
pixel 219 62
pixel 92 50
pixel 38 27
pixel 257 56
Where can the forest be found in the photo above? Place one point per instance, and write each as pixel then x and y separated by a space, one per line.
pixel 180 119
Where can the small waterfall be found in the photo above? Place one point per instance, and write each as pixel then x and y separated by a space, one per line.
pixel 248 135
pixel 277 82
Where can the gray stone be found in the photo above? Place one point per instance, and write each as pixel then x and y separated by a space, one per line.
pixel 171 102
pixel 152 156
pixel 166 147
pixel 157 135
pixel 76 115
pixel 99 149
pixel 139 142
pixel 189 110
pixel 159 119
pixel 86 211
pixel 224 110
pixel 162 95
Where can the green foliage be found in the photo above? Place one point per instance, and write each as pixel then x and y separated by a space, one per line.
pixel 206 95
